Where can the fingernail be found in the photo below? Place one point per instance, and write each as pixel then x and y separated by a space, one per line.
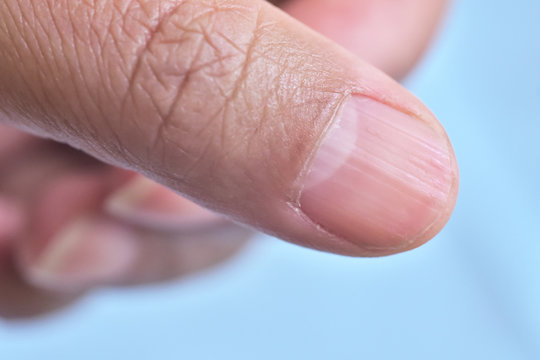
pixel 87 252
pixel 151 205
pixel 380 177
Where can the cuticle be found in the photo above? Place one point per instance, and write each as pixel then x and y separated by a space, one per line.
pixel 298 184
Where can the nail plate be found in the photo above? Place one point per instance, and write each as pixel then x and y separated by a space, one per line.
pixel 380 177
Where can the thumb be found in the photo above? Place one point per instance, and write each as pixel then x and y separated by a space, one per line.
pixel 237 106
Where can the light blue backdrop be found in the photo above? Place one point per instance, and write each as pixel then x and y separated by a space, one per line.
pixel 472 293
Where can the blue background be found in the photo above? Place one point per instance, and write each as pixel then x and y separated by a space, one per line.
pixel 472 293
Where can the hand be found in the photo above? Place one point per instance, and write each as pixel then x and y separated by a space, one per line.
pixel 232 104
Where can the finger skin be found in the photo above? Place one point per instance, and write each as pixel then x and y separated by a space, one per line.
pixel 224 101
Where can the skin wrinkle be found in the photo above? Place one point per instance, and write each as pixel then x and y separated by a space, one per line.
pixel 98 109
pixel 287 75
pixel 144 52
pixel 66 126
pixel 241 78
pixel 56 65
pixel 221 117
pixel 229 99
pixel 77 91
pixel 253 49
pixel 144 48
pixel 248 60
pixel 140 55
pixel 78 71
pixel 19 21
pixel 184 81
pixel 55 41
pixel 167 118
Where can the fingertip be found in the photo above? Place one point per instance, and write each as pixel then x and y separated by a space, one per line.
pixel 381 179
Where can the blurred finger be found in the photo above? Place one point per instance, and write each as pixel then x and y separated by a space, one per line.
pixel 144 203
pixel 389 34
pixel 79 224
pixel 79 246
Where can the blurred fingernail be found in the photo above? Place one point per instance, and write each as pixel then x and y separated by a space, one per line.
pixel 87 252
pixel 380 178
pixel 151 205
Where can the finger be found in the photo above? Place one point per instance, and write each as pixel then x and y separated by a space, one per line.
pixel 144 203
pixel 237 106
pixel 29 292
pixel 389 34
pixel 79 247
pixel 97 252
pixel 170 235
